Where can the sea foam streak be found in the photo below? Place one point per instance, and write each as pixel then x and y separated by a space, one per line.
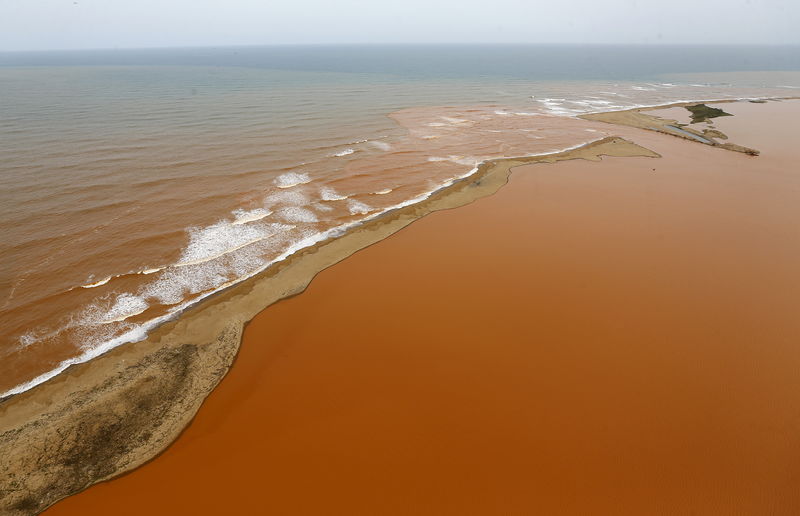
pixel 97 284
pixel 461 160
pixel 296 214
pixel 290 179
pixel 358 208
pixel 114 276
pixel 125 306
pixel 211 242
pixel 329 194
pixel 245 216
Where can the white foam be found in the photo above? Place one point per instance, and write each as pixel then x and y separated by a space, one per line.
pixel 556 107
pixel 211 242
pixel 383 192
pixel 358 208
pixel 125 306
pixel 296 214
pixel 329 194
pixel 97 284
pixel 172 287
pixel 26 340
pixel 245 216
pixel 151 271
pixel 345 152
pixel 290 179
pixel 33 336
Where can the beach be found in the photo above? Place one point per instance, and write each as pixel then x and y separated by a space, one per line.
pixel 613 336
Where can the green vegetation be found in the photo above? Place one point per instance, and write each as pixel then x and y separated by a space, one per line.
pixel 701 113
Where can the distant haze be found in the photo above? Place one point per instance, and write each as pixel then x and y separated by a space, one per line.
pixel 79 24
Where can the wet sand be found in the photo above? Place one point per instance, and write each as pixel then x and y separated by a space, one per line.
pixel 623 340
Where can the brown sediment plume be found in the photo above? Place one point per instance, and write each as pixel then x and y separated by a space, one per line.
pixel 637 118
pixel 105 417
pixel 615 337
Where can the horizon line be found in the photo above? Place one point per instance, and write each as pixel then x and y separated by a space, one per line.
pixel 401 44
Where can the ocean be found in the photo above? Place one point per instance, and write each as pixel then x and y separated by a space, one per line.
pixel 135 183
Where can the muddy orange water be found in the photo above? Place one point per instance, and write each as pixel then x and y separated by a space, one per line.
pixel 596 338
pixel 128 193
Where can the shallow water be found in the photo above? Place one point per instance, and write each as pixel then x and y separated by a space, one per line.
pixel 136 183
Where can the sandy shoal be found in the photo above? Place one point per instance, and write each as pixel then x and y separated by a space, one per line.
pixel 615 337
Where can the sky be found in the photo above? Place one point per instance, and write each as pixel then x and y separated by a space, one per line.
pixel 83 24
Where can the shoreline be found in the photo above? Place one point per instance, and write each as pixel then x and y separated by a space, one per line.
pixel 141 395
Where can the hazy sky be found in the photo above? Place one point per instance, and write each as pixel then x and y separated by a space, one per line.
pixel 69 24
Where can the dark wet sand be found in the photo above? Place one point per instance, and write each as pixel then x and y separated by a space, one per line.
pixel 595 338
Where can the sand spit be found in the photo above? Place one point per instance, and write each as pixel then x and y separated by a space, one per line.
pixel 103 418
pixel 707 135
